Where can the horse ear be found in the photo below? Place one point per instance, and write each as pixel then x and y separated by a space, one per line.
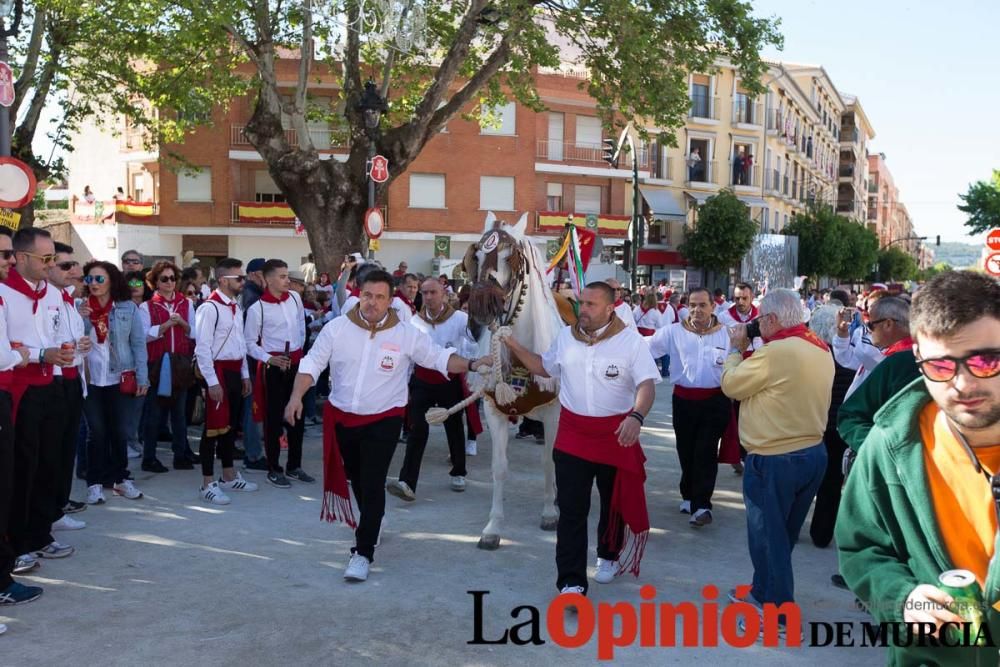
pixel 490 221
pixel 517 231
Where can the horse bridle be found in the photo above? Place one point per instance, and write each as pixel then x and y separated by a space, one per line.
pixel 514 299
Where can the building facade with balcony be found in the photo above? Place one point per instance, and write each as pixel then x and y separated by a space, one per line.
pixel 883 203
pixel 855 133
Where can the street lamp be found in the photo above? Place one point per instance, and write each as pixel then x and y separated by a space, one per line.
pixel 371 105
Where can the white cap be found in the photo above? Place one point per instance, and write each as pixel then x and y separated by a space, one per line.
pixel 358 258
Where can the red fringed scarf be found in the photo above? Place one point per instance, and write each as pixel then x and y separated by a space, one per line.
pixel 18 283
pixel 413 309
pixel 336 498
pixel 594 439
pixel 99 317
pixel 898 346
pixel 267 297
pixel 739 317
pixel 799 331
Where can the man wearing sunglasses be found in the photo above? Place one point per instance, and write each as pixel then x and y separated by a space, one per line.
pixel 920 500
pixel 131 261
pixel 853 347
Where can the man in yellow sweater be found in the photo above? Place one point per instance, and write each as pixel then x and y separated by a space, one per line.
pixel 784 388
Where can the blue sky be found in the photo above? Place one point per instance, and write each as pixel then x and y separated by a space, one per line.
pixel 928 77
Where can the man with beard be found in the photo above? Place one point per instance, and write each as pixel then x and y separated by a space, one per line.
pixel 622 309
pixel 921 498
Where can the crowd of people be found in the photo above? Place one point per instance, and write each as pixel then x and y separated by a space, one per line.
pixel 897 395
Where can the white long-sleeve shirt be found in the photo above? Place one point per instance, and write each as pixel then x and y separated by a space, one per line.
pixel 858 352
pixel 9 358
pixel 370 374
pixel 624 313
pixel 695 361
pixel 154 331
pixel 269 325
pixel 402 310
pixel 451 334
pixel 651 319
pixel 36 329
pixel 219 337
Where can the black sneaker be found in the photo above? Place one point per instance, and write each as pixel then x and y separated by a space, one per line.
pixel 279 480
pixel 18 593
pixel 72 507
pixel 300 475
pixel 521 435
pixel 239 453
pixel 154 466
pixel 192 457
pixel 260 465
pixel 183 464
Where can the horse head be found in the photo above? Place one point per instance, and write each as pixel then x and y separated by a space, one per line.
pixel 497 266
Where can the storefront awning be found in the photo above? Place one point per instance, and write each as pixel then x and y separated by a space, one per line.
pixel 661 257
pixel 700 197
pixel 753 202
pixel 663 204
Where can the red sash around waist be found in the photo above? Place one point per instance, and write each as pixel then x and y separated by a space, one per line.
pixel 71 372
pixel 17 380
pixel 258 406
pixel 646 332
pixel 336 497
pixel 217 413
pixel 431 376
pixel 696 393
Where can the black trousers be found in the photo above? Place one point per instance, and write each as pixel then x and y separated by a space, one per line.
pixel 72 410
pixel 699 426
pixel 7 474
pixel 574 482
pixel 278 386
pixel 424 396
pixel 531 427
pixel 367 452
pixel 232 385
pixel 828 496
pixel 37 449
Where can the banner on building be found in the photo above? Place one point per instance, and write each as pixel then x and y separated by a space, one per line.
pixel 136 209
pixel 442 247
pixel 615 226
pixel 265 212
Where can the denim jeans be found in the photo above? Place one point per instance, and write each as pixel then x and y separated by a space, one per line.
pixel 778 491
pixel 131 414
pixel 178 425
pixel 104 409
pixel 252 444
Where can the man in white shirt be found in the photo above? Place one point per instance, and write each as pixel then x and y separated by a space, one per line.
pixel 448 328
pixel 59 276
pixel 698 347
pixel 12 473
pixel 743 311
pixel 275 332
pixel 404 300
pixel 606 389
pixel 857 350
pixel 35 323
pixel 622 309
pixel 369 353
pixel 220 352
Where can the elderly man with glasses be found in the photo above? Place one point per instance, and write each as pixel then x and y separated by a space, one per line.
pixel 920 500
pixel 131 261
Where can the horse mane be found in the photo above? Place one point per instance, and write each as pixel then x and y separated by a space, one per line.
pixel 541 308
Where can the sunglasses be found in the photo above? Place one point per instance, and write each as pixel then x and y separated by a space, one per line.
pixel 7 254
pixel 90 280
pixel 45 258
pixel 167 279
pixel 982 365
pixel 135 284
pixel 238 279
pixel 131 260
pixel 871 324
pixel 66 266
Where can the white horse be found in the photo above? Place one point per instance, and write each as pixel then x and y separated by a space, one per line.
pixel 509 294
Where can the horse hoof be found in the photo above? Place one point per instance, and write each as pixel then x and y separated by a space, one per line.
pixel 489 542
pixel 550 524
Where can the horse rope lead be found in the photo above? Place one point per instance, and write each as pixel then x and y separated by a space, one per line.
pixel 503 393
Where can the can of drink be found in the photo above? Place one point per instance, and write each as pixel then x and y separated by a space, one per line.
pixel 962 586
pixel 67 346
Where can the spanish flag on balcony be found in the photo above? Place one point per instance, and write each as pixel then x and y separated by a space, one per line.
pixel 265 212
pixel 602 224
pixel 136 209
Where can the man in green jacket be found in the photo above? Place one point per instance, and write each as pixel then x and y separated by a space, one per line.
pixel 919 500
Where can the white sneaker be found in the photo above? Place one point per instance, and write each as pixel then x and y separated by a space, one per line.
pixel 686 507
pixel 95 494
pixel 701 518
pixel 68 523
pixel 470 448
pixel 458 484
pixel 3 628
pixel 401 489
pixel 606 570
pixel 357 569
pixel 127 489
pixel 237 484
pixel 213 494
pixel 134 453
pixel 571 589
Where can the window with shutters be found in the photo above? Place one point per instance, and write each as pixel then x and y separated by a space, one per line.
pixel 588 199
pixel 427 191
pixel 496 193
pixel 195 186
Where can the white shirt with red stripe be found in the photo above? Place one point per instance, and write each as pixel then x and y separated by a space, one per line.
pixel 369 375
pixel 599 380
pixel 651 319
pixel 695 361
pixel 270 325
pixel 38 330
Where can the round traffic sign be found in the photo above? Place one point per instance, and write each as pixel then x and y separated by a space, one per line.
pixel 17 183
pixel 374 223
pixel 993 239
pixel 992 264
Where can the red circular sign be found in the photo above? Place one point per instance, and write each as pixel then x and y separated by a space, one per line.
pixel 380 169
pixel 374 223
pixel 993 239
pixel 17 183
pixel 992 264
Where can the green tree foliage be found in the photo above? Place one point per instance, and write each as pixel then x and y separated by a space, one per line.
pixel 723 234
pixel 896 264
pixel 832 245
pixel 861 250
pixel 982 204
pixel 931 271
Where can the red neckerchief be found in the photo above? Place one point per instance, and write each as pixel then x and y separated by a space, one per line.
pixel 99 317
pixel 799 331
pixel 644 311
pixel 413 309
pixel 267 297
pixel 67 298
pixel 719 301
pixel 618 303
pixel 16 282
pixel 738 316
pixel 898 346
pixel 218 299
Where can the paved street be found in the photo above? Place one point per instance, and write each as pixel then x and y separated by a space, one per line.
pixel 170 580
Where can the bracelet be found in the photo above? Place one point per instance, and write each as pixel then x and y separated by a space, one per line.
pixel 638 417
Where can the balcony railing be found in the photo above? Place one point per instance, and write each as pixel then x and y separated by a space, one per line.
pixel 704 106
pixel 846 171
pixel 747 112
pixel 323 138
pixel 701 171
pixel 745 177
pixel 568 151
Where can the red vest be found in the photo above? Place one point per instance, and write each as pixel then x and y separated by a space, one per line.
pixel 175 340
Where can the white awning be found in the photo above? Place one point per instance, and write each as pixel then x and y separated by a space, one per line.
pixel 663 204
pixel 753 202
pixel 700 197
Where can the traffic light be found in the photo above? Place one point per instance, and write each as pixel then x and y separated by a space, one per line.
pixel 627 255
pixel 610 152
pixel 938 240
